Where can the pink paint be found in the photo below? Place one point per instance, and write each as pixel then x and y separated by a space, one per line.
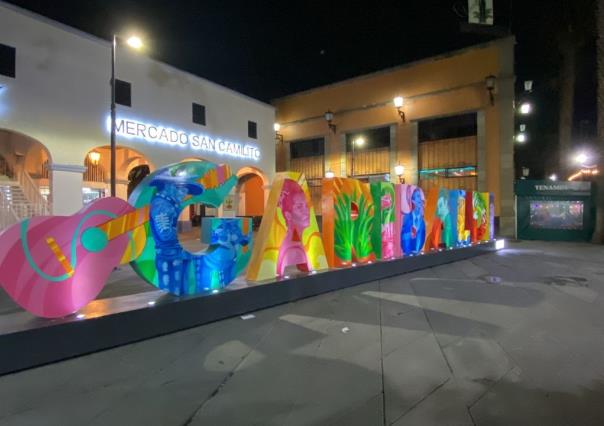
pixel 45 297
pixel 388 240
pixel 297 218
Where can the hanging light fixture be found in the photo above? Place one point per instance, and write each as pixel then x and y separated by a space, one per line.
pixel 94 156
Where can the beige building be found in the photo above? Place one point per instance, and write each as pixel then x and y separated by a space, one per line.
pixel 448 120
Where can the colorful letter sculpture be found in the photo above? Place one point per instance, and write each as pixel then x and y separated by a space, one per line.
pixel 348 209
pixel 480 208
pixel 433 223
pixel 411 204
pixel 52 266
pixel 164 262
pixel 443 213
pixel 383 232
pixel 289 233
pixel 457 206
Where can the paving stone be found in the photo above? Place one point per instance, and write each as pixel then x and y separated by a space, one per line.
pixel 411 374
pixel 444 407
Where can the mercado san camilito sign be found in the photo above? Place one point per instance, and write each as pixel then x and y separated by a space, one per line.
pixel 156 133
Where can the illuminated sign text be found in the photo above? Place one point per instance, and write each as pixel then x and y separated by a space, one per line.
pixel 157 133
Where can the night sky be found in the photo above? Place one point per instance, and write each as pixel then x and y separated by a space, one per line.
pixel 268 49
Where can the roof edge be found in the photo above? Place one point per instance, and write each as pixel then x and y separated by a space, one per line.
pixel 501 40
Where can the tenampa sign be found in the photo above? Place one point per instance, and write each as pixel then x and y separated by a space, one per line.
pixel 133 129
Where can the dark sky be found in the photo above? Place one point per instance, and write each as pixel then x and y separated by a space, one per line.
pixel 268 49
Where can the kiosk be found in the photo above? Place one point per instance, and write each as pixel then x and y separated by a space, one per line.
pixel 554 211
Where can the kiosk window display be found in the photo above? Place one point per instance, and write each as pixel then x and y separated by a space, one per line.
pixel 557 211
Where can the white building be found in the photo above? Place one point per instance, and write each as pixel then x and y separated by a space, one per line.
pixel 55 106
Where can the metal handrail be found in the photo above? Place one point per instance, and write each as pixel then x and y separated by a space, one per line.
pixel 32 193
pixel 8 216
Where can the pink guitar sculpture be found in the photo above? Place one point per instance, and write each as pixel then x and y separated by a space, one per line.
pixel 54 265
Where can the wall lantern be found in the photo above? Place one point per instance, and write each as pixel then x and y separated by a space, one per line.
pixel 398 103
pixel 94 156
pixel 329 118
pixel 399 170
pixel 278 136
pixel 491 83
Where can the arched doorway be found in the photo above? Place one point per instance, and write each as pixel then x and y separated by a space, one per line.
pixel 24 177
pixel 193 217
pixel 251 192
pixel 97 177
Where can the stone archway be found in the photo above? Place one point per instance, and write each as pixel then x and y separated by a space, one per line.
pixel 251 192
pixel 97 177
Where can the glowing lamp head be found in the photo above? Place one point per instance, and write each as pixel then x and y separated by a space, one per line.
pixel 581 158
pixel 94 157
pixel 525 108
pixel 329 174
pixel 134 42
pixel 398 101
pixel 277 127
pixel 521 137
pixel 360 141
pixel 399 170
pixel 553 177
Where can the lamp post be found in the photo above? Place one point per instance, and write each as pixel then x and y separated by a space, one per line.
pixel 136 43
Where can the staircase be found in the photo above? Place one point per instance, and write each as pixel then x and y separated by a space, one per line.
pixel 19 199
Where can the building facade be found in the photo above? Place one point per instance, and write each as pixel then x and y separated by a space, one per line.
pixel 452 126
pixel 55 111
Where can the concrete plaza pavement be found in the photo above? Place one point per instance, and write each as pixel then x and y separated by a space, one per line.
pixel 509 338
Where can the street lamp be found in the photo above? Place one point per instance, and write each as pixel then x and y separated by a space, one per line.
pixel 359 141
pixel 136 43
pixel 553 177
pixel 581 158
